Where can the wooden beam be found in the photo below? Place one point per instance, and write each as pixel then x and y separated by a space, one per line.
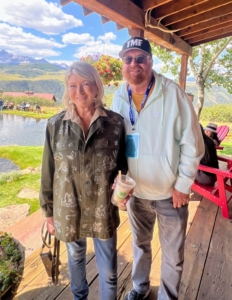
pixel 64 2
pixel 200 9
pixel 209 30
pixel 137 32
pixel 210 39
pixel 129 15
pixel 174 7
pixel 204 17
pixel 86 11
pixel 183 71
pixel 146 4
pixel 214 34
pixel 203 25
pixel 104 20
pixel 119 27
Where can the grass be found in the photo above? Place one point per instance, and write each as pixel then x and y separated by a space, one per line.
pixel 12 183
pixel 46 112
pixel 23 156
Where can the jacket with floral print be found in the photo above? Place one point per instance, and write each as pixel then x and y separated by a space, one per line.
pixel 77 175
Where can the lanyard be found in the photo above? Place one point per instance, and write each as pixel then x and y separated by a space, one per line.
pixel 131 115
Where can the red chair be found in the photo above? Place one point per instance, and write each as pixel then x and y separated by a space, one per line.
pixel 221 192
pixel 222 132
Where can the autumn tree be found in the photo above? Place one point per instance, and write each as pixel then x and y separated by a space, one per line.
pixel 210 63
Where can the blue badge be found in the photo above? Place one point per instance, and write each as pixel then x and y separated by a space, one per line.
pixel 132 145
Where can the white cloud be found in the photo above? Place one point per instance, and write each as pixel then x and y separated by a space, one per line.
pixel 66 62
pixel 43 16
pixel 102 45
pixel 107 36
pixel 16 41
pixel 98 48
pixel 75 38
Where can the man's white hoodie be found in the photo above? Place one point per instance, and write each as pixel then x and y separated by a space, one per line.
pixel 170 140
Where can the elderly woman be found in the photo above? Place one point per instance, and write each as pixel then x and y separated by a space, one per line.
pixel 84 149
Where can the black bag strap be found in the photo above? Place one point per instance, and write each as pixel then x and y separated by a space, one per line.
pixel 47 237
pixel 55 261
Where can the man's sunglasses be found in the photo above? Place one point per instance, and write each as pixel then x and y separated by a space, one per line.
pixel 140 59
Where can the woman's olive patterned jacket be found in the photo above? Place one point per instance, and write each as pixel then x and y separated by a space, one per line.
pixel 77 175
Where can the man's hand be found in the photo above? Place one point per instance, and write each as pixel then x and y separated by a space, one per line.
pixel 179 199
pixel 50 225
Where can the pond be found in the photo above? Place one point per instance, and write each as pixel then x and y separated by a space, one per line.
pixel 21 131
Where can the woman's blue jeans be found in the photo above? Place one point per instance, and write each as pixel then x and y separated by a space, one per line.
pixel 106 258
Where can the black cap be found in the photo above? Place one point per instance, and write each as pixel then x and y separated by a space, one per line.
pixel 136 43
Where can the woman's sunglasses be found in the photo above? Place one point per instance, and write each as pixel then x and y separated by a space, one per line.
pixel 140 59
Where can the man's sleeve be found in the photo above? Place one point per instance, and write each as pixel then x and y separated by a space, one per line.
pixel 191 144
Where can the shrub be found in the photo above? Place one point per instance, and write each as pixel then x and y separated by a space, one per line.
pixel 108 67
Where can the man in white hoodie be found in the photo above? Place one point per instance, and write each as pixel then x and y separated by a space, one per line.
pixel 164 147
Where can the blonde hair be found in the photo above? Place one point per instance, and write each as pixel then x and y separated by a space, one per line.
pixel 88 72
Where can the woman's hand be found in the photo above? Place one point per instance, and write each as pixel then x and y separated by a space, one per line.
pixel 50 225
pixel 129 195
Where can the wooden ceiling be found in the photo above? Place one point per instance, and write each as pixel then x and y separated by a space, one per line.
pixel 177 25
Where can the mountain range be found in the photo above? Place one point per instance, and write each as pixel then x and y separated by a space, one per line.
pixel 12 59
pixel 20 73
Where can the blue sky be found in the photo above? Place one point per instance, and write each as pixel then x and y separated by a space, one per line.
pixel 45 29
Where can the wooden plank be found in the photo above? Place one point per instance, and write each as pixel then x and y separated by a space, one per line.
pixel 196 249
pixel 216 280
pixel 203 32
pixel 203 17
pixel 183 71
pixel 104 20
pixel 211 39
pixel 129 15
pixel 86 11
pixel 64 2
pixel 205 25
pixel 146 4
pixel 119 27
pixel 213 34
pixel 198 10
pixel 174 7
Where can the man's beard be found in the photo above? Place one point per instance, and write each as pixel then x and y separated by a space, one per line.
pixel 134 79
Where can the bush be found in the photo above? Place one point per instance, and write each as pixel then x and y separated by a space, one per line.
pixel 108 67
pixel 217 113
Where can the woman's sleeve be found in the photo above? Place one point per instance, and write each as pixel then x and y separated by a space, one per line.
pixel 122 160
pixel 47 175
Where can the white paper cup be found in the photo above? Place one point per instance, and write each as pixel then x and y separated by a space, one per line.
pixel 121 191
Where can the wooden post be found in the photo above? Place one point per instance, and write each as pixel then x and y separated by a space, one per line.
pixel 137 32
pixel 183 71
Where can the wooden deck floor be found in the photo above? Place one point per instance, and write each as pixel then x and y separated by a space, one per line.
pixel 207 269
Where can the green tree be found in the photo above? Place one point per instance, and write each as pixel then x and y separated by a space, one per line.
pixel 210 63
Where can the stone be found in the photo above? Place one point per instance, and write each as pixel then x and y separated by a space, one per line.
pixel 28 193
pixel 9 215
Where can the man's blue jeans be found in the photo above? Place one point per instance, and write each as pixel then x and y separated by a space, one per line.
pixel 172 223
pixel 106 258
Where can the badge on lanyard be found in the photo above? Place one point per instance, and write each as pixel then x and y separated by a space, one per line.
pixel 131 115
pixel 132 145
